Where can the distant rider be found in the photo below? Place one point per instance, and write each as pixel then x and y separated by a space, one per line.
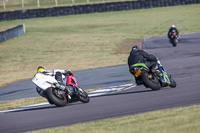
pixel 59 76
pixel 140 56
pixel 172 31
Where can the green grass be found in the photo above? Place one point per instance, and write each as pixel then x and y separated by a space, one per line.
pixel 179 120
pixel 86 41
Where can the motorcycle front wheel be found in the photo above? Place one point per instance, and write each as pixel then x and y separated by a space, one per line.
pixel 54 97
pixel 172 83
pixel 83 96
pixel 153 83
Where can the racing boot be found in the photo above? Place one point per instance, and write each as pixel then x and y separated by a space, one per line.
pixel 68 89
pixel 156 71
pixel 60 83
pixel 58 77
pixel 139 82
pixel 154 68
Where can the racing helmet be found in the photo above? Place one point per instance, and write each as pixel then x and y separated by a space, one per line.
pixel 134 48
pixel 41 69
pixel 172 26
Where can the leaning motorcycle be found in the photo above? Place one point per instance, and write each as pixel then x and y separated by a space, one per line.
pixel 154 80
pixel 174 40
pixel 46 87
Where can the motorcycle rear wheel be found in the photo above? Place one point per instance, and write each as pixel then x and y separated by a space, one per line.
pixel 55 98
pixel 154 84
pixel 83 96
pixel 174 42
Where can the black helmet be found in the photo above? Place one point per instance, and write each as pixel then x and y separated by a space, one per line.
pixel 134 48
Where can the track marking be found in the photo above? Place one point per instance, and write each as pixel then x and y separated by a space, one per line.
pixel 110 89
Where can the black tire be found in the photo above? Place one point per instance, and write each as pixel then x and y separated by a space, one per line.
pixel 174 42
pixel 40 91
pixel 83 96
pixel 58 100
pixel 172 83
pixel 43 94
pixel 154 84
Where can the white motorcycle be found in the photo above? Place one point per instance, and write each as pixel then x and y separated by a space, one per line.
pixel 46 86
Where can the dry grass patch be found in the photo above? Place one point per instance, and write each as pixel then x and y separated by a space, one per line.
pixel 125 47
pixel 6 105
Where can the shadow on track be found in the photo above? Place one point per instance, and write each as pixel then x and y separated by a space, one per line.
pixel 23 109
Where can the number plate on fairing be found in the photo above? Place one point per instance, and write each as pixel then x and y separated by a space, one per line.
pixel 137 73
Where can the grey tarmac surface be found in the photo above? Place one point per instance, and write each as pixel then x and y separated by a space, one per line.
pixel 182 62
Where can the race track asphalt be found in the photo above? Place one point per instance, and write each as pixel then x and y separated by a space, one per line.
pixel 182 62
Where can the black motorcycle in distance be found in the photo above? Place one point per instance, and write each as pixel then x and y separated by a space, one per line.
pixel 174 40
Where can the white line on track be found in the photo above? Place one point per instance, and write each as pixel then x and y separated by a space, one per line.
pixel 92 94
pixel 110 89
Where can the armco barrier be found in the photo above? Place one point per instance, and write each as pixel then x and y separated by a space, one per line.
pixel 92 8
pixel 11 33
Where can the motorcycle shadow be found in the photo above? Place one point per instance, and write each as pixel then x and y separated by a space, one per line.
pixel 42 107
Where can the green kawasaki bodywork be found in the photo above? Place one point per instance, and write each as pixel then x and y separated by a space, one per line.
pixel 166 77
pixel 141 65
pixel 164 73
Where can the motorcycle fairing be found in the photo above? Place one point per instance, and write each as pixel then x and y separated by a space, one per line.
pixel 141 65
pixel 165 76
pixel 44 81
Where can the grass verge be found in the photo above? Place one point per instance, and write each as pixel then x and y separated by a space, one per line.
pixel 179 120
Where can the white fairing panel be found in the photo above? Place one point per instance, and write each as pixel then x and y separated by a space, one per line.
pixel 43 81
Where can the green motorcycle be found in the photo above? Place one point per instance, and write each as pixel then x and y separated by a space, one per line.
pixel 154 80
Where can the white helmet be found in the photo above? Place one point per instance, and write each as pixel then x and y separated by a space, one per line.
pixel 172 26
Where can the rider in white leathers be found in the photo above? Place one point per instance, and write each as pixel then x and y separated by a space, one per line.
pixel 59 75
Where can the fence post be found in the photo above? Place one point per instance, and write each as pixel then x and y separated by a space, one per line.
pixel 38 3
pixel 22 3
pixel 4 4
pixel 72 1
pixel 56 1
